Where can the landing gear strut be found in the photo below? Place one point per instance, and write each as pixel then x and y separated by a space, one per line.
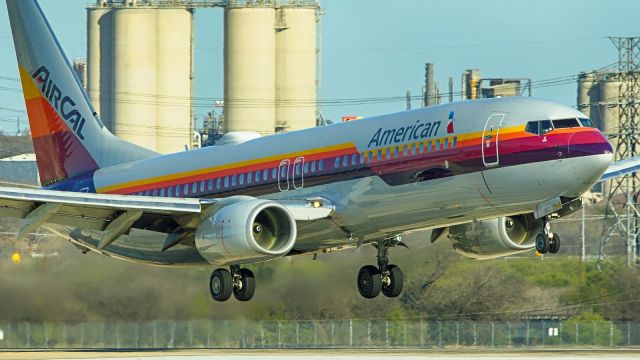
pixel 386 278
pixel 547 241
pixel 239 282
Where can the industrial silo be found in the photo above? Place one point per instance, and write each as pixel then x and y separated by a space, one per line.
pixel 173 79
pixel 99 29
pixel 608 106
pixel 585 83
pixel 249 68
pixel 296 67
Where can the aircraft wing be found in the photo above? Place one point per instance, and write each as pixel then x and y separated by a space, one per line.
pixel 116 214
pixel 621 167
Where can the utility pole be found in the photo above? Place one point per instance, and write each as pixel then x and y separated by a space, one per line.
pixel 621 218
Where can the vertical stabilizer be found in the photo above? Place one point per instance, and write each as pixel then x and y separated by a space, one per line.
pixel 68 137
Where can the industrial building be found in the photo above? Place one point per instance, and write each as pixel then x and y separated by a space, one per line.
pixel 598 98
pixel 140 67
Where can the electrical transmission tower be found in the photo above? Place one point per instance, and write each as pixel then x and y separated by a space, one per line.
pixel 622 217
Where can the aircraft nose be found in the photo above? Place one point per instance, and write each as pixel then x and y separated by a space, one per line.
pixel 585 143
pixel 592 154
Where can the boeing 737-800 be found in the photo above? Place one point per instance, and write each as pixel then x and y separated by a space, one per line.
pixel 487 174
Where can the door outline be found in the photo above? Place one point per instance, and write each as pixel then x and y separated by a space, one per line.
pixel 489 141
pixel 299 161
pixel 283 164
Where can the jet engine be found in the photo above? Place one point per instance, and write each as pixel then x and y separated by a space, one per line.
pixel 493 238
pixel 248 230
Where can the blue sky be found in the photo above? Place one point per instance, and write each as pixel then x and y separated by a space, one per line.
pixel 377 49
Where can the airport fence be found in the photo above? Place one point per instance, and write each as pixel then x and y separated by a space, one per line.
pixel 318 334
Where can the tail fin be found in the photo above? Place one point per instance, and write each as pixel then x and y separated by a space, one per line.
pixel 68 137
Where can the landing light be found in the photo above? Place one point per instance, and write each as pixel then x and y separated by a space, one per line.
pixel 316 204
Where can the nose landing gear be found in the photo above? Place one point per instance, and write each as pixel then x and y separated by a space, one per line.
pixel 547 241
pixel 386 278
pixel 239 282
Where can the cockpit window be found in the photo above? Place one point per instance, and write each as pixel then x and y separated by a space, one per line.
pixel 545 126
pixel 565 123
pixel 586 122
pixel 532 127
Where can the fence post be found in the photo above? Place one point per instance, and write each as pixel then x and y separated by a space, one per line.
pixel 595 333
pixel 350 333
pixel 279 338
pixel 439 334
pixel 386 332
pixel 297 333
pixel 610 334
pixel 475 334
pixel 404 322
pixel 369 331
pixel 628 333
pixel 315 334
pixel 261 335
pixel 333 333
pixel 82 335
pixel 421 333
pixel 46 335
pixel 117 335
pixel 527 342
pixel 509 333
pixel 577 333
pixel 457 333
pixel 544 332
pixel 28 335
pixel 155 335
pixel 493 335
pixel 8 335
pixel 561 333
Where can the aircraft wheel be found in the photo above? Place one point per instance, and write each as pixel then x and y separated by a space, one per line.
pixel 554 244
pixel 392 283
pixel 221 285
pixel 369 281
pixel 542 243
pixel 245 285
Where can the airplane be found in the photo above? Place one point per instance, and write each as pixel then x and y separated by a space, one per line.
pixel 487 174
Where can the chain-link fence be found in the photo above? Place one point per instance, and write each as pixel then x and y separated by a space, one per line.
pixel 318 334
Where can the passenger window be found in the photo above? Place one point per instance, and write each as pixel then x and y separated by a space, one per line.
pixel 202 186
pixel 345 161
pixel 148 193
pixel 274 173
pixel 170 192
pixel 249 177
pixel 438 145
pixel 413 149
pixel 306 168
pixel 455 142
pixel 242 179
pixel 388 155
pixel 369 156
pixel 545 126
pixel 532 127
pixel 234 180
pixel 421 147
pixel 162 192
pixel 337 164
pixel 395 152
pixel 297 169
pixel 185 189
pixel 265 175
pixel 354 159
pixel 406 150
pixel 226 182
pixel 565 123
pixel 155 192
pixel 210 184
pixel 586 122
pixel 379 157
pixel 194 187
pixel 321 165
pixel 177 190
pixel 258 176
pixel 313 166
pixel 445 143
pixel 218 183
pixel 429 146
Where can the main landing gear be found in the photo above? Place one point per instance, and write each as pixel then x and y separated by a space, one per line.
pixel 385 278
pixel 547 241
pixel 238 281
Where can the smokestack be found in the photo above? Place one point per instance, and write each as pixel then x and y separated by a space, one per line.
pixel 430 88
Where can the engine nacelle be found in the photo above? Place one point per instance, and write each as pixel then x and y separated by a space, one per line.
pixel 493 238
pixel 246 231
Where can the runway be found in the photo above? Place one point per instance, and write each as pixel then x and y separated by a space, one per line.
pixel 323 354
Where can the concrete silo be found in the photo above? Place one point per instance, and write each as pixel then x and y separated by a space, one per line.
pixel 133 107
pixel 608 108
pixel 99 29
pixel 173 79
pixel 296 67
pixel 249 68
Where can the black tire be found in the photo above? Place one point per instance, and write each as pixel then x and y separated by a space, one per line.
pixel 542 243
pixel 369 281
pixel 396 280
pixel 554 245
pixel 248 288
pixel 220 285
